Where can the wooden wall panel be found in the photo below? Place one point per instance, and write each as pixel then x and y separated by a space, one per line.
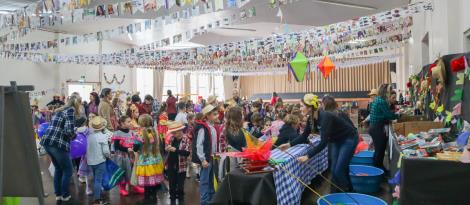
pixel 359 78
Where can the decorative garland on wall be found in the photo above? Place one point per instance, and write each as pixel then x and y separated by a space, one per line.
pixel 114 79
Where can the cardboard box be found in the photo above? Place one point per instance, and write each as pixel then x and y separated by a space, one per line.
pixel 404 128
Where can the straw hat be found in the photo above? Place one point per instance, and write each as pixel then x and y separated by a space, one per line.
pixel 373 92
pixel 211 99
pixel 98 123
pixel 206 110
pixel 174 126
pixel 311 99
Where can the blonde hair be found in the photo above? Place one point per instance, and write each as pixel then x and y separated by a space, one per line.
pixel 74 101
pixel 148 132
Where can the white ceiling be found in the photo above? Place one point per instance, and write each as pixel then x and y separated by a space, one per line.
pixel 11 5
pixel 300 15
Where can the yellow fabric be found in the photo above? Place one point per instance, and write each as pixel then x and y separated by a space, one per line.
pixel 149 170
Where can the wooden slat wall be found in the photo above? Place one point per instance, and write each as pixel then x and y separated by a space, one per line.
pixel 359 78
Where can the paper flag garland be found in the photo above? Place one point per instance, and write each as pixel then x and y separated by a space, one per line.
pixel 459 125
pixel 298 66
pixel 460 79
pixel 457 110
pixel 458 93
pixel 448 117
pixel 326 66
pixel 440 109
pixel 432 105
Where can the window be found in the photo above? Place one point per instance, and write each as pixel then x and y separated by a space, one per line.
pixel 201 85
pixel 144 82
pixel 173 81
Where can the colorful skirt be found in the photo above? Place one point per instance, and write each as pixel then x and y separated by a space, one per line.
pixel 123 160
pixel 149 170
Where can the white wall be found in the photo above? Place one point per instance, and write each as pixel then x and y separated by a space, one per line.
pixel 445 25
pixel 49 76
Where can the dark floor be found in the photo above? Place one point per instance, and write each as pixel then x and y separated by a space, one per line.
pixel 191 189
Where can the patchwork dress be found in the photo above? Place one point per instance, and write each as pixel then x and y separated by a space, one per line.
pixel 149 169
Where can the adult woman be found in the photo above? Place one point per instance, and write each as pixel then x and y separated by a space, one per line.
pixel 105 110
pixel 310 103
pixel 94 102
pixel 380 114
pixel 56 142
pixel 338 131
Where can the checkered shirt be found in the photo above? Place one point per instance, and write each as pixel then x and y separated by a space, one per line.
pixel 289 190
pixel 60 130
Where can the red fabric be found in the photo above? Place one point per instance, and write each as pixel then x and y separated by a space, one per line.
pixel 171 105
pixel 458 64
pixel 255 153
pixel 274 100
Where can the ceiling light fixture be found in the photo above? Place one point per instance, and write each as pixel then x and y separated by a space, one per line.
pixel 338 3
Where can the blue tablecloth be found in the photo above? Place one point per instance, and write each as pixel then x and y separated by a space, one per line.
pixel 289 190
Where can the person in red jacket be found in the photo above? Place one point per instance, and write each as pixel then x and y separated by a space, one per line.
pixel 171 105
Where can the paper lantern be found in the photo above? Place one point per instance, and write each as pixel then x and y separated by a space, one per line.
pixel 326 66
pixel 298 66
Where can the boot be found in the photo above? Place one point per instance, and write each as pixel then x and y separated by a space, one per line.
pixel 137 189
pixel 122 189
pixel 173 202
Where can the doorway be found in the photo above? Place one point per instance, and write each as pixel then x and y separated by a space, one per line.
pixel 83 89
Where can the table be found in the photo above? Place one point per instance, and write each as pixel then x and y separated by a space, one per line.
pixel 238 188
pixel 277 187
pixel 288 190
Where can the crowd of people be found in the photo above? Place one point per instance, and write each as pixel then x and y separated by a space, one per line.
pixel 158 143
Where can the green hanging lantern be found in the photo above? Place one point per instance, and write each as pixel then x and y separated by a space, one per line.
pixel 298 66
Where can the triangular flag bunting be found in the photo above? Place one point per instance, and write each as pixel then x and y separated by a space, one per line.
pixel 298 66
pixel 458 93
pixel 448 117
pixel 440 109
pixel 326 66
pixel 457 109
pixel 460 79
pixel 459 125
pixel 432 105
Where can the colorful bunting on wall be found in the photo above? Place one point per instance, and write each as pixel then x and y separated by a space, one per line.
pixel 458 93
pixel 298 66
pixel 458 64
pixel 460 79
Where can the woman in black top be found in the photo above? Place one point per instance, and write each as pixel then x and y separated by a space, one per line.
pixel 337 130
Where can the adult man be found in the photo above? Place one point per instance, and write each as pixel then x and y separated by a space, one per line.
pixel 171 105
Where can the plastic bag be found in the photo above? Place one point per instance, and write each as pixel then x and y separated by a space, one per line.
pixel 112 175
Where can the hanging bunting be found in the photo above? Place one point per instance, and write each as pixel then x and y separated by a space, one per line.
pixel 458 93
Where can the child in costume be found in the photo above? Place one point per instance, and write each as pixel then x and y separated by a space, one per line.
pixel 162 121
pixel 177 163
pixel 96 154
pixel 149 165
pixel 124 141
pixel 203 148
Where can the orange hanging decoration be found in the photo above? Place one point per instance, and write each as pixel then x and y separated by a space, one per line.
pixel 326 66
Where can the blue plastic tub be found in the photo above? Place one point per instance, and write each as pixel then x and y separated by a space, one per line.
pixel 363 158
pixel 365 179
pixel 350 199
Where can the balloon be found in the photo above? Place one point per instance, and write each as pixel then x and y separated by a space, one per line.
pixel 42 129
pixel 78 146
pixel 197 108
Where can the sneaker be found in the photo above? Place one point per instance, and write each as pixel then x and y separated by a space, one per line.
pixel 89 191
pixel 123 192
pixel 100 202
pixel 82 179
pixel 58 198
pixel 138 190
pixel 65 199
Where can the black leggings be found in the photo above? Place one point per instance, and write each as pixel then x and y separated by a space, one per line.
pixel 380 140
pixel 150 194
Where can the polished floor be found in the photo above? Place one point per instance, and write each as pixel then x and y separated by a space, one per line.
pixel 191 189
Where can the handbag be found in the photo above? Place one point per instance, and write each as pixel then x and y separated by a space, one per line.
pixel 112 176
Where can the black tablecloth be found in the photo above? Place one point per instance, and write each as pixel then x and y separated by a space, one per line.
pixel 240 189
pixel 434 182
